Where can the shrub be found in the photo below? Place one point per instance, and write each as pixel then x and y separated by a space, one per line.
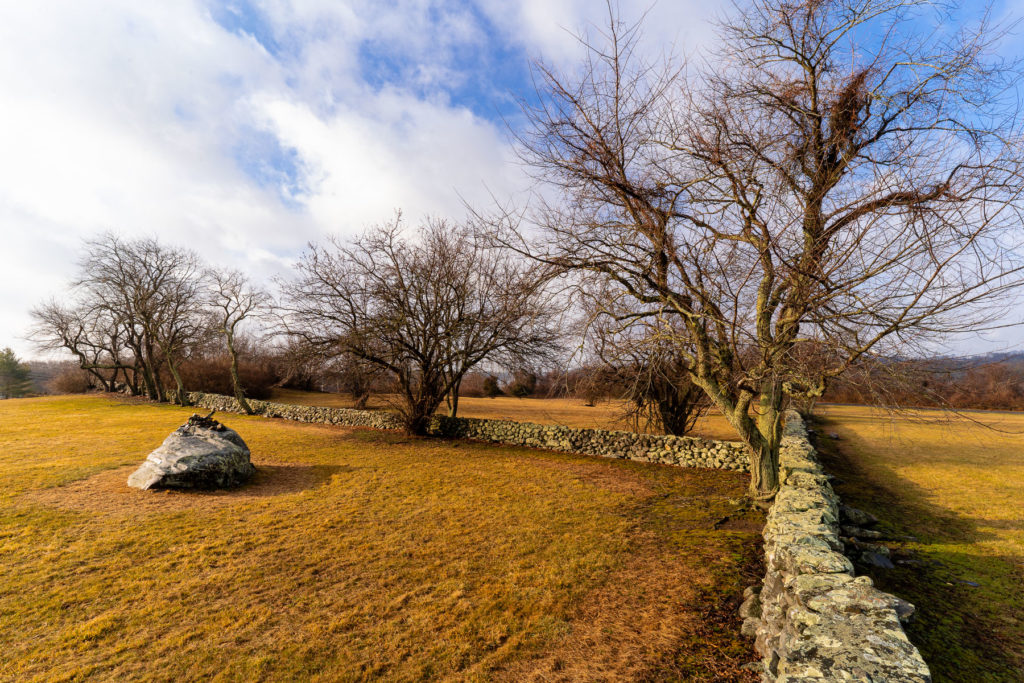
pixel 69 380
pixel 212 375
pixel 491 388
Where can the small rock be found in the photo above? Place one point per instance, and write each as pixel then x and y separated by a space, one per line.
pixel 864 546
pixel 833 436
pixel 874 559
pixel 751 608
pixel 750 627
pixel 857 532
pixel 904 610
pixel 752 590
pixel 856 517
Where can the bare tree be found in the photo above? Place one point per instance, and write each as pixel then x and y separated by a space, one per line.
pixel 652 375
pixel 233 300
pixel 425 311
pixel 135 307
pixel 835 175
pixel 92 336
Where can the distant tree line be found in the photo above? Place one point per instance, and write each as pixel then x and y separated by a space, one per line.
pixel 948 383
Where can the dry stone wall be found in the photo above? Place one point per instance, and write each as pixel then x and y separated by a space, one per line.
pixel 812 618
pixel 684 451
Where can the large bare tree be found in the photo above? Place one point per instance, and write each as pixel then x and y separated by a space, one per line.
pixel 135 307
pixel 426 309
pixel 836 175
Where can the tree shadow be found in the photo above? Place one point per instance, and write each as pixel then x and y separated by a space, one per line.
pixel 965 632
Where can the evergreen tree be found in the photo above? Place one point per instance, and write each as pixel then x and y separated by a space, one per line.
pixel 14 375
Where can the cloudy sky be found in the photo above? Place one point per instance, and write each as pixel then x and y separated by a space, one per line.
pixel 246 128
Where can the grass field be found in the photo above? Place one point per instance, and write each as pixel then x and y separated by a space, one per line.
pixel 570 412
pixel 359 555
pixel 959 489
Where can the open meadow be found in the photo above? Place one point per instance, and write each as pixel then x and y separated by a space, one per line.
pixel 958 489
pixel 359 555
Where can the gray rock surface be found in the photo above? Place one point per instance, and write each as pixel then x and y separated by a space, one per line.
pixel 201 454
pixel 817 621
pixel 856 517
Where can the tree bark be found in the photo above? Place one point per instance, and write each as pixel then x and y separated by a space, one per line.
pixel 764 442
pixel 181 396
pixel 236 383
pixel 453 401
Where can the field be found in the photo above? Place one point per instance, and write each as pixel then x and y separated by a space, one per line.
pixel 958 488
pixel 570 412
pixel 359 555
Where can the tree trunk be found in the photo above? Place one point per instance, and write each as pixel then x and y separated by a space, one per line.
pixel 416 423
pixel 236 383
pixel 151 387
pixel 453 401
pixel 158 382
pixel 419 411
pixel 764 441
pixel 181 397
pixel 762 434
pixel 764 470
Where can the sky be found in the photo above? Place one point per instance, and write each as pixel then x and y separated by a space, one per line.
pixel 245 129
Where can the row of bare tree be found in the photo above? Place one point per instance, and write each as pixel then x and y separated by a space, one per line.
pixel 422 309
pixel 138 309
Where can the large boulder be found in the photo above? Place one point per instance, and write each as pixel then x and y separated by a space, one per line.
pixel 200 454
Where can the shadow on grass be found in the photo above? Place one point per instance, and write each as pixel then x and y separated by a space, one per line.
pixel 969 633
pixel 108 491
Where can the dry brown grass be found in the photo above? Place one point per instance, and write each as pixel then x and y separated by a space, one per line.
pixel 357 555
pixel 959 488
pixel 569 412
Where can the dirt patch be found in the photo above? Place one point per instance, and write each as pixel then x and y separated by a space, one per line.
pixel 109 492
pixel 602 475
pixel 653 620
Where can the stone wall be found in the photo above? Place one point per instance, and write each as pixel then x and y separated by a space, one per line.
pixel 684 451
pixel 812 618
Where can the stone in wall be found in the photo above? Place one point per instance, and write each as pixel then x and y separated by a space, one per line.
pixel 812 618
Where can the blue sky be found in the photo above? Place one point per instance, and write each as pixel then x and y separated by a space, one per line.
pixel 247 128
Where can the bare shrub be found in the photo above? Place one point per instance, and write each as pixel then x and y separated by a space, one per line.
pixel 70 380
